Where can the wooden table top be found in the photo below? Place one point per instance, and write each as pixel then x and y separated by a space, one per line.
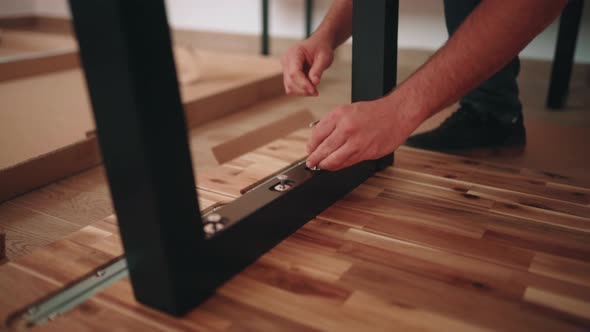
pixel 437 242
pixel 212 85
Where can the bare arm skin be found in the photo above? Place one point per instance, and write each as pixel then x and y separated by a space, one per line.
pixel 493 34
pixel 304 63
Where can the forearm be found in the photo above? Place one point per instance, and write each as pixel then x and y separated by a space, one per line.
pixel 490 37
pixel 336 26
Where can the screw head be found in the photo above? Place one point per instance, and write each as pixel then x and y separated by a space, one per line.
pixel 282 187
pixel 32 310
pixel 209 229
pixel 214 217
pixel 283 178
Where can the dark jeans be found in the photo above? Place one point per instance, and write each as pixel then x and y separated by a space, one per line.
pixel 498 96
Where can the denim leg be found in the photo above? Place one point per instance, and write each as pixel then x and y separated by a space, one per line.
pixel 498 96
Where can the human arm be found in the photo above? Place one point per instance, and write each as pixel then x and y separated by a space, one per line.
pixel 304 63
pixel 488 39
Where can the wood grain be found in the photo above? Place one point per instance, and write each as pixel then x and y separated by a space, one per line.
pixel 28 230
pixel 411 248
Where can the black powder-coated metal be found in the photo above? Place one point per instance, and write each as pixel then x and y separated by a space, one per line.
pixel 561 71
pixel 264 36
pixel 261 218
pixel 308 17
pixel 126 53
pixel 127 58
pixel 374 52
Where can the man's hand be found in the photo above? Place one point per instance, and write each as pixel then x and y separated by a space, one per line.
pixel 303 65
pixel 360 131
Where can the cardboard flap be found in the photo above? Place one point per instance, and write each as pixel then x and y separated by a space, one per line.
pixel 254 139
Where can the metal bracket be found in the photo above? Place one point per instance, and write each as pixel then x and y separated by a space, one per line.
pixel 174 262
pixel 68 298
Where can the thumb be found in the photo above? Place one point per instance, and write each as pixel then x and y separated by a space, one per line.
pixel 321 62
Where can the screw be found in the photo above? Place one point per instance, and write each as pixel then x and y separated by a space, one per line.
pixel 283 185
pixel 100 273
pixel 32 310
pixel 283 178
pixel 212 227
pixel 214 217
pixel 311 125
pixel 209 229
pixel 53 316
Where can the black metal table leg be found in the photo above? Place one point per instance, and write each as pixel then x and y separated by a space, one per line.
pixel 569 25
pixel 128 62
pixel 264 42
pixel 308 17
pixel 127 58
pixel 374 51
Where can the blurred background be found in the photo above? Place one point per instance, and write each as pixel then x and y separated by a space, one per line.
pixel 421 21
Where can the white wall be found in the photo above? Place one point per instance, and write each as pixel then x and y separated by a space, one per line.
pixel 421 25
pixel 16 7
pixel 421 21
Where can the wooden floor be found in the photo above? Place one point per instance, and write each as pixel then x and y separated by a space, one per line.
pixel 515 257
pixel 556 143
pixel 437 242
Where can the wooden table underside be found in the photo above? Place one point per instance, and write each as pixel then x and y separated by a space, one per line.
pixel 436 242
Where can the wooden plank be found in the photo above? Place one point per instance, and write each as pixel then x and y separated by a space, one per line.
pixel 28 53
pixel 409 248
pixel 556 267
pixel 22 42
pixel 524 199
pixel 475 306
pixel 55 100
pixel 478 172
pixel 16 22
pixel 76 203
pixel 233 177
pixel 36 23
pixel 37 64
pixel 19 288
pixel 265 134
pixel 37 228
pixel 560 302
pixel 225 84
pixel 44 169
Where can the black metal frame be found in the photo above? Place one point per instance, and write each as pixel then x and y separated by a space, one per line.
pixel 308 17
pixel 374 52
pixel 565 48
pixel 125 49
pixel 264 36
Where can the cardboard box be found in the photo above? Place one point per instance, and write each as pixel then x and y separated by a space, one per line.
pixel 46 124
